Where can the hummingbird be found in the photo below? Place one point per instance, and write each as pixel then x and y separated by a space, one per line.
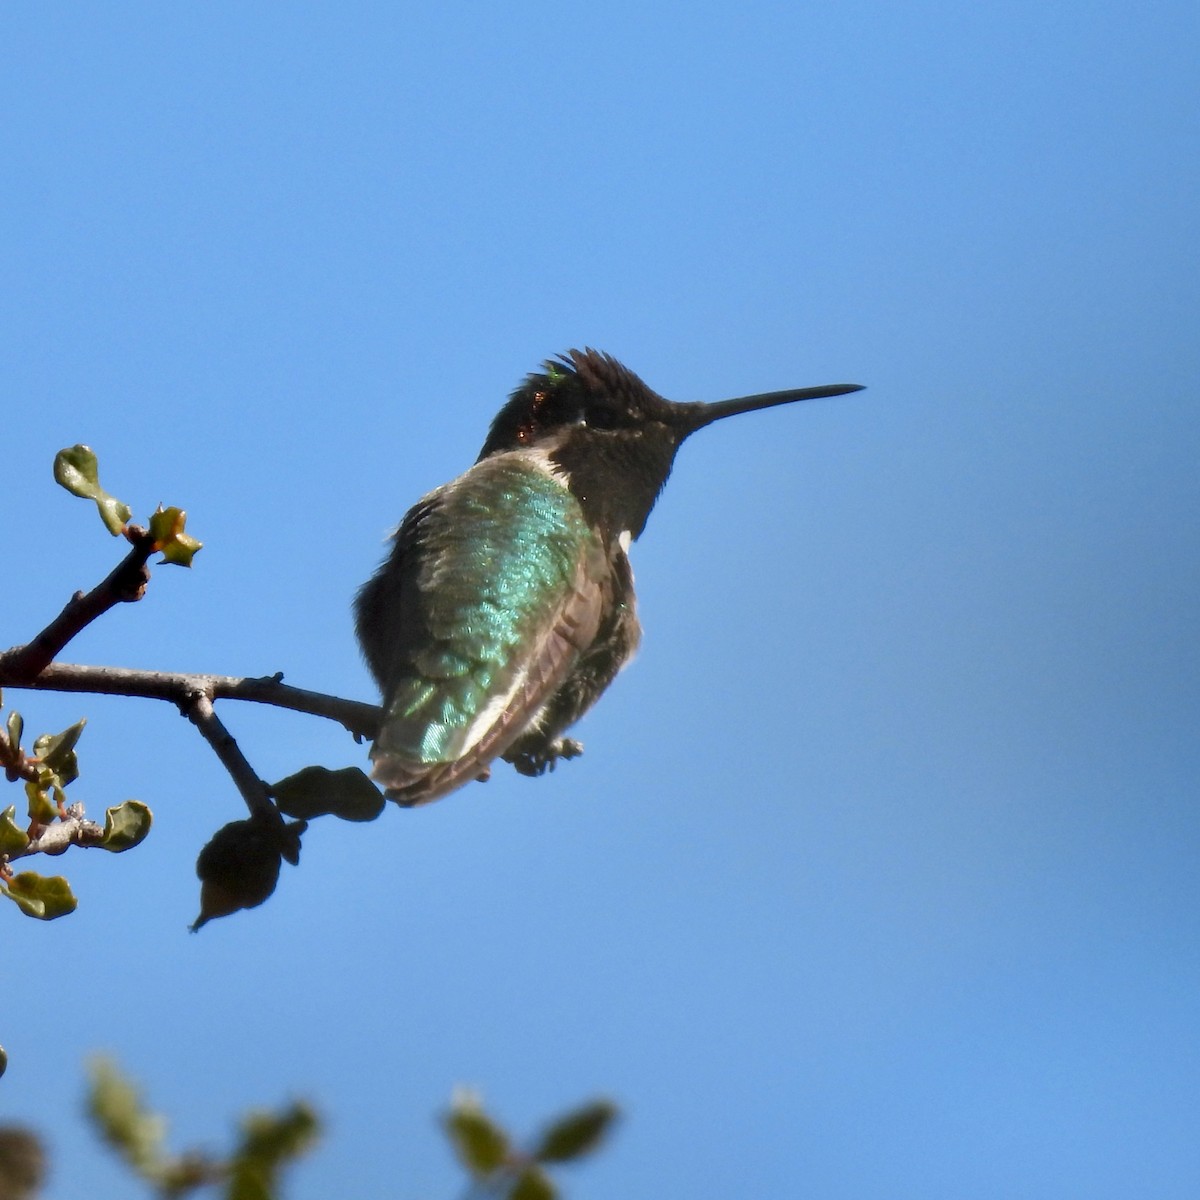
pixel 505 607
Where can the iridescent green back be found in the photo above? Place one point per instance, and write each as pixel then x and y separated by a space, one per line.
pixel 494 558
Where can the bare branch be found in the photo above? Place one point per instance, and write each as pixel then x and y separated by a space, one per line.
pixel 16 765
pixel 124 584
pixel 194 695
pixel 254 791
pixel 178 688
pixel 74 829
pixel 32 666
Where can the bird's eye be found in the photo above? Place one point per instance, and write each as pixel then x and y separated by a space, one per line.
pixel 600 418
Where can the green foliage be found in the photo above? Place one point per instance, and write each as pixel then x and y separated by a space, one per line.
pixel 481 1145
pixel 57 751
pixel 43 896
pixel 51 767
pixel 269 1142
pixel 125 826
pixel 45 796
pixel 166 528
pixel 116 1110
pixel 47 771
pixel 14 726
pixel 318 791
pixel 533 1184
pixel 12 757
pixel 77 470
pixel 13 839
pixel 576 1134
pixel 499 1169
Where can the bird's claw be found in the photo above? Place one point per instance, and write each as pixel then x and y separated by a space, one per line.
pixel 538 762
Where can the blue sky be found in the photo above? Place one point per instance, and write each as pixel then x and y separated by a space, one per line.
pixel 877 879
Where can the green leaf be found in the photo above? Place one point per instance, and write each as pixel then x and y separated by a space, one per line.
pixel 16 727
pixel 43 896
pixel 533 1184
pixel 13 838
pixel 479 1142
pixel 318 791
pixel 269 1142
pixel 166 528
pixel 247 1182
pixel 280 1136
pixel 576 1134
pixel 57 751
pixel 76 469
pixel 126 825
pixel 116 1109
pixel 184 1173
pixel 42 808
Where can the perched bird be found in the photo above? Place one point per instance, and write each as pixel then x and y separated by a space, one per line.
pixel 506 605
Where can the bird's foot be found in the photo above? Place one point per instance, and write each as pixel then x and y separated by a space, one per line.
pixel 545 758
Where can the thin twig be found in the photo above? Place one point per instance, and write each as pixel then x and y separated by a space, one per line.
pixel 74 829
pixel 177 688
pixel 199 710
pixel 16 765
pixel 32 666
pixel 124 584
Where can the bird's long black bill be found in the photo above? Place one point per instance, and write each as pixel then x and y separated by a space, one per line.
pixel 696 416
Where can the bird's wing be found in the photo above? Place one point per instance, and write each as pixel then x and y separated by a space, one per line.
pixel 494 588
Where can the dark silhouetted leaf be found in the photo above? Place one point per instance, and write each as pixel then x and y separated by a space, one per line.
pixel 289 841
pixel 318 791
pixel 576 1134
pixel 76 469
pixel 126 825
pixel 239 867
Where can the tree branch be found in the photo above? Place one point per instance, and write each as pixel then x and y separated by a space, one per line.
pixel 74 829
pixel 194 695
pixel 124 584
pixel 178 688
pixel 201 713
pixel 32 666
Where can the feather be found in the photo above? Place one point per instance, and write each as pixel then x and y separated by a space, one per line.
pixel 493 590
